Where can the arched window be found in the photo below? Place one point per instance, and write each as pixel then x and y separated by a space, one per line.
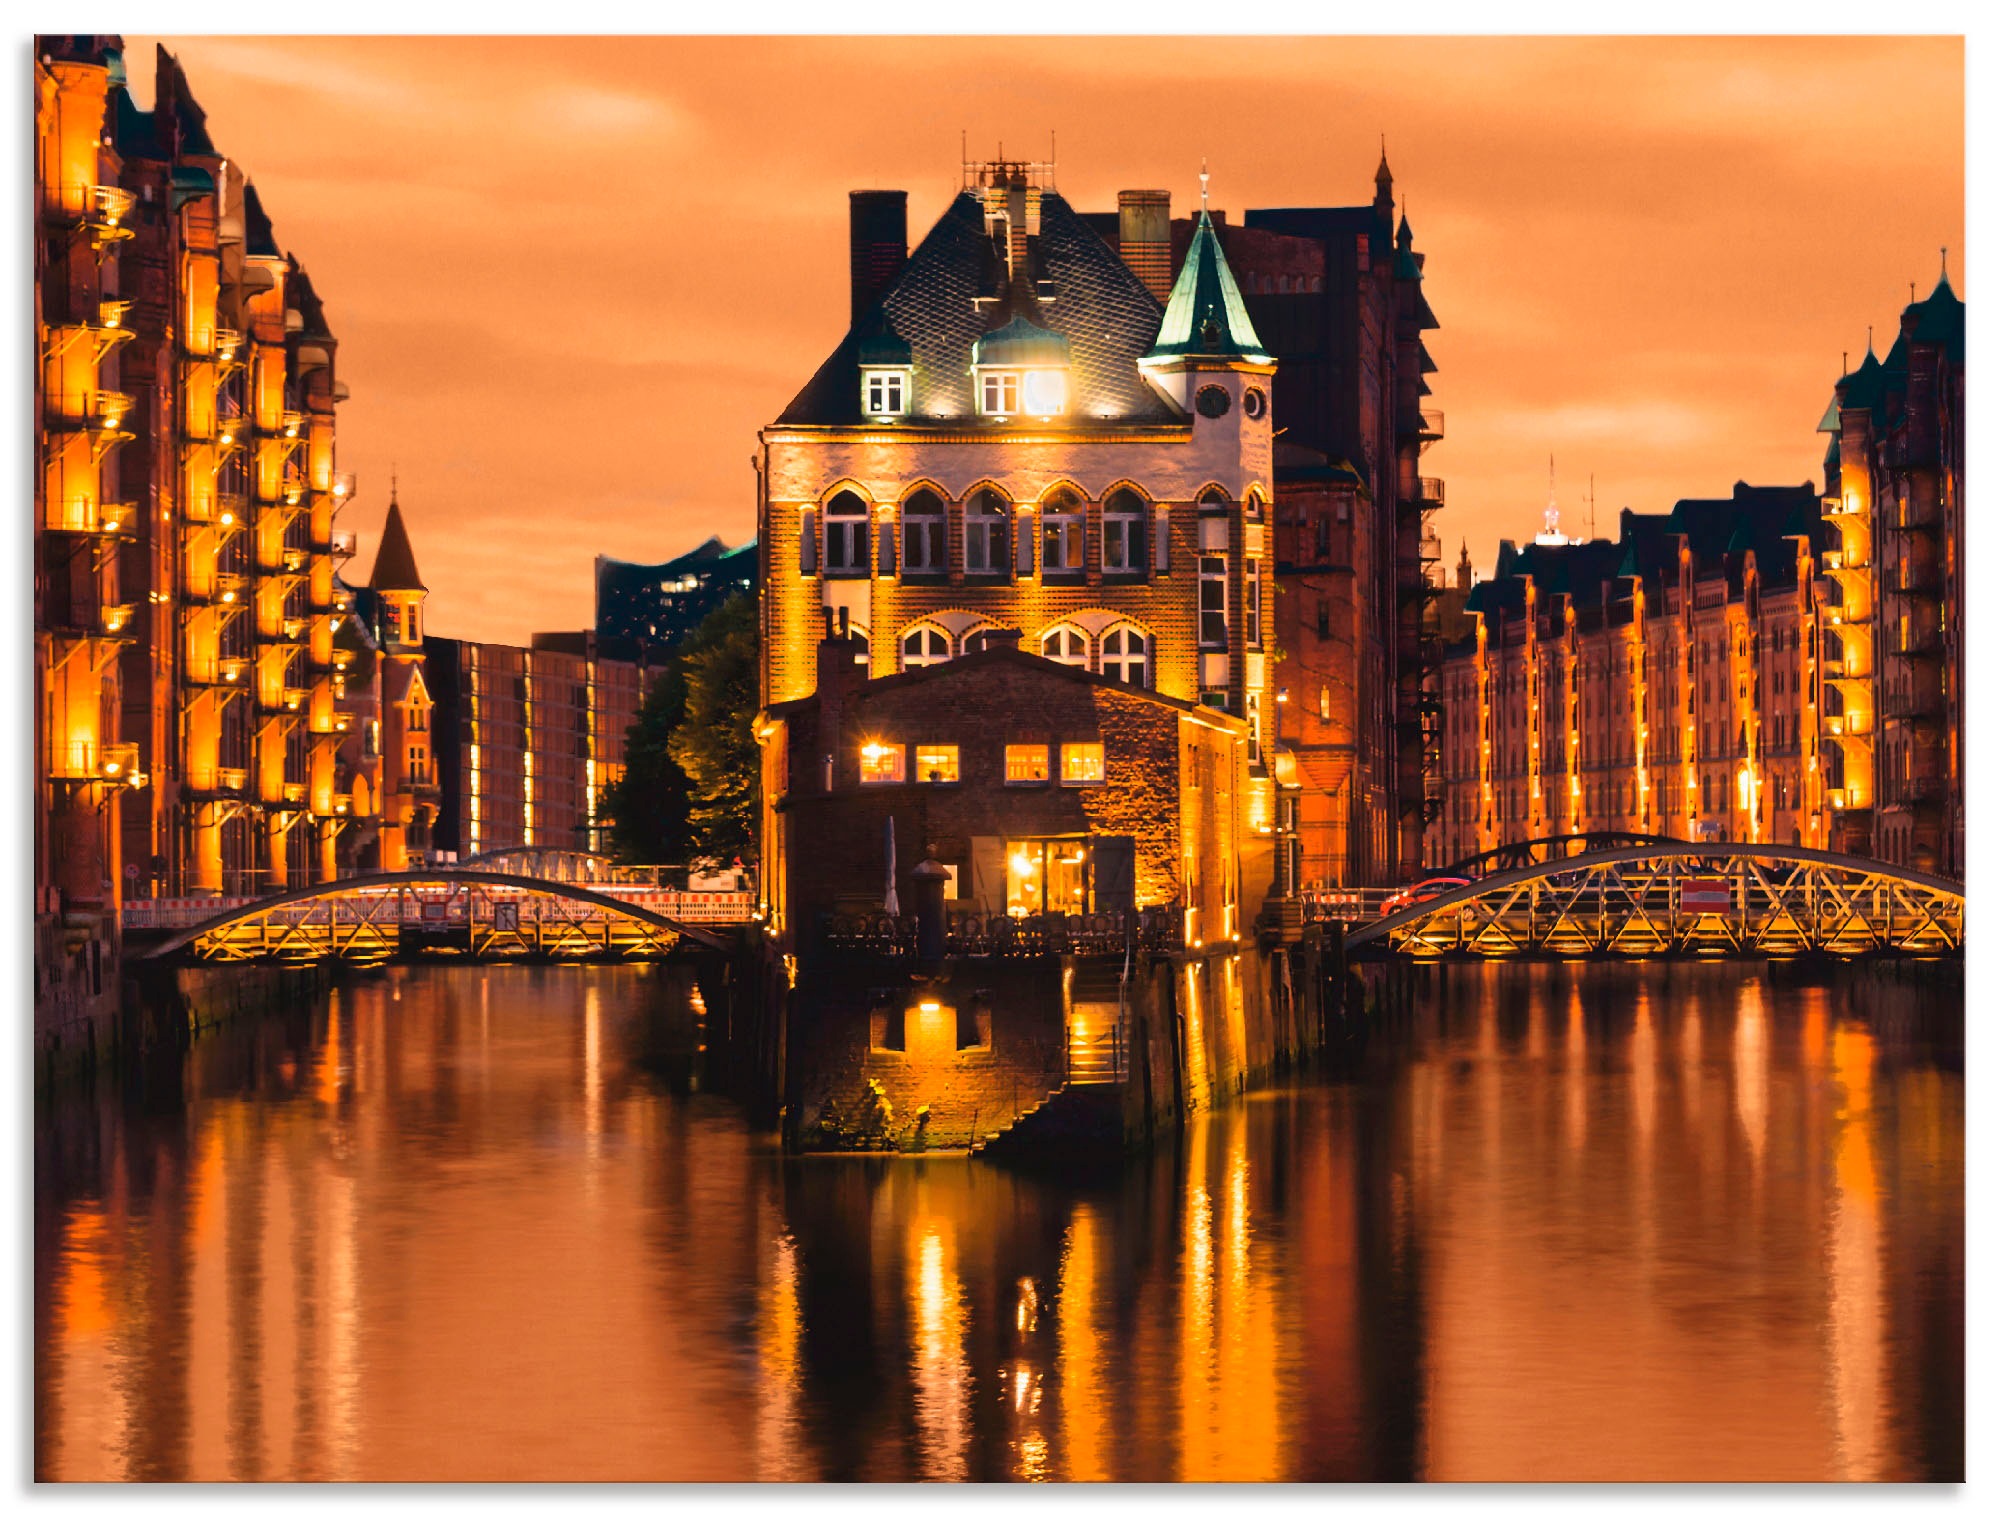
pixel 1124 532
pixel 925 645
pixel 986 532
pixel 1124 657
pixel 1062 532
pixel 1066 645
pixel 1214 498
pixel 923 534
pixel 847 534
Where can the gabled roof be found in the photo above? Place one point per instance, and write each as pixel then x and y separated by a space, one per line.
pixel 395 564
pixel 1099 305
pixel 1205 315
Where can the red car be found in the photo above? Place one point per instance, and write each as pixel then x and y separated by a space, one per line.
pixel 1423 890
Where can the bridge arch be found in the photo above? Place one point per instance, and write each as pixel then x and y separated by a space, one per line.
pixel 379 892
pixel 1523 852
pixel 1750 900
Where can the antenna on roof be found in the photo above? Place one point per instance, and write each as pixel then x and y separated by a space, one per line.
pixel 1944 265
pixel 1052 157
pixel 392 483
pixel 1591 501
pixel 1204 182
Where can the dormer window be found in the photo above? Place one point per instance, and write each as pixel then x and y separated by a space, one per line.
pixel 1022 370
pixel 885 392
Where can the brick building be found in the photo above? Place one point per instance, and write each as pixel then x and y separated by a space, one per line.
pixel 1010 769
pixel 1894 574
pixel 1665 683
pixel 527 739
pixel 1015 433
pixel 188 434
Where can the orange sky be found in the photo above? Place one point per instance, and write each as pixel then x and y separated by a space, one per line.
pixel 572 277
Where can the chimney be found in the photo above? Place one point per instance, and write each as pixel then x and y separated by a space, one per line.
pixel 1000 640
pixel 1145 238
pixel 878 237
pixel 842 670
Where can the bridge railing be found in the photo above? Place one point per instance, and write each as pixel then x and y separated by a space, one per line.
pixel 1000 936
pixel 418 902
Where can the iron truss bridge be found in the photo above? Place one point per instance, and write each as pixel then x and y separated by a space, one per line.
pixel 465 913
pixel 1734 900
pixel 1525 853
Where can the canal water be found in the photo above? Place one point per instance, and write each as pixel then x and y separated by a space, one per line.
pixel 1547 1223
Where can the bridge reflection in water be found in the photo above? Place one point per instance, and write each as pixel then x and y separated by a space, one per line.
pixel 1609 1222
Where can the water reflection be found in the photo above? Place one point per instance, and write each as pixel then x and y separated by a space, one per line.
pixel 474 1225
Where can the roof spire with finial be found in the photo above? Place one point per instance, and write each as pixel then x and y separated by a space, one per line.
pixel 1204 183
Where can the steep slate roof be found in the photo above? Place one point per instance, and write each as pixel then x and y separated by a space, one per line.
pixel 1108 316
pixel 395 565
pixel 1941 321
pixel 1205 316
pixel 258 241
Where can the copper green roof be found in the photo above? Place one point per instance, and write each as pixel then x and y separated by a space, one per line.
pixel 1206 317
pixel 1021 343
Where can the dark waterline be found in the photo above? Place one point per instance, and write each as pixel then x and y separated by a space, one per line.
pixel 1552 1223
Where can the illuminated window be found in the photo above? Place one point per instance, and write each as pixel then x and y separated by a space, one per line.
pixel 1062 532
pixel 986 533
pixel 1083 763
pixel 923 534
pixel 1253 603
pixel 1124 533
pixel 846 534
pixel 925 645
pixel 1027 764
pixel 1066 645
pixel 1215 602
pixel 886 392
pixel 1044 392
pixel 999 394
pixel 1124 658
pixel 937 764
pixel 881 763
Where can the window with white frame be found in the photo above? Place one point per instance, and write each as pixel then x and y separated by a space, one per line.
pixel 923 646
pixel 986 548
pixel 923 534
pixel 1066 645
pixel 1124 533
pixel 847 534
pixel 1062 532
pixel 1124 657
pixel 999 394
pixel 1214 602
pixel 885 392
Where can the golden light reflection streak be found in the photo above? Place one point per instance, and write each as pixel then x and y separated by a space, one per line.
pixel 1753 1073
pixel 208 1306
pixel 1645 1110
pixel 939 1369
pixel 1198 1432
pixel 780 1441
pixel 84 1376
pixel 1247 1385
pixel 1854 1268
pixel 1575 1094
pixel 1691 1072
pixel 1084 1413
pixel 593 1088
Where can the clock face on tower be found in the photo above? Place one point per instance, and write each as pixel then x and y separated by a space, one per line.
pixel 1212 401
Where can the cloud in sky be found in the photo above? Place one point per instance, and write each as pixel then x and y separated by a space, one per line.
pixel 573 276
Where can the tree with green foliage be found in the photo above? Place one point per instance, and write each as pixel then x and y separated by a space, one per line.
pixel 714 744
pixel 691 762
pixel 647 807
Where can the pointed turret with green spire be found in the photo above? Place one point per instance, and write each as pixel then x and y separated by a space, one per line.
pixel 1206 317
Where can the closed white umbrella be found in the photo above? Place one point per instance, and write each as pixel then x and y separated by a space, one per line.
pixel 889 902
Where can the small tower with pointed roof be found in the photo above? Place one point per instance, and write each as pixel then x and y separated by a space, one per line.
pixel 409 774
pixel 401 589
pixel 1206 329
pixel 1385 188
